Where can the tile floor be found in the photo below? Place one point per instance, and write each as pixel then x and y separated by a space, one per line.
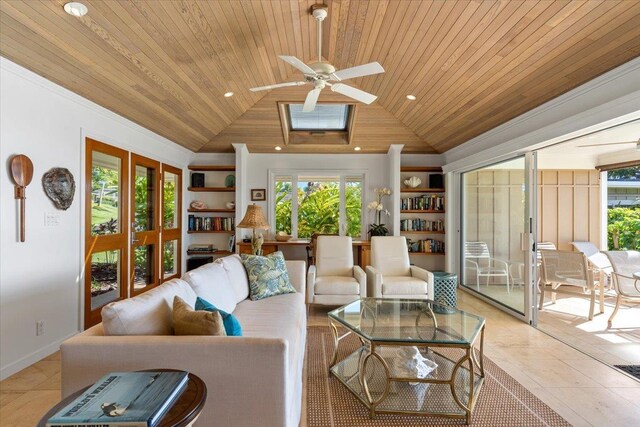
pixel 581 389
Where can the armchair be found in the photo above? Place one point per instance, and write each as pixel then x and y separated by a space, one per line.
pixel 478 257
pixel 390 274
pixel 626 277
pixel 334 279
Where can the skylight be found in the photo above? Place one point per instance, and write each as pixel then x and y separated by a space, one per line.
pixel 323 117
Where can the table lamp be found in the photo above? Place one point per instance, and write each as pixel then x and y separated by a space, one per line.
pixel 254 219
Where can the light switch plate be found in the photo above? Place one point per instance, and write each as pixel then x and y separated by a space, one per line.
pixel 51 219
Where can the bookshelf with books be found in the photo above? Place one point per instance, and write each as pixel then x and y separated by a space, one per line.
pixel 422 209
pixel 211 222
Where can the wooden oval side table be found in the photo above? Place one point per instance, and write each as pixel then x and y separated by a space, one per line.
pixel 183 412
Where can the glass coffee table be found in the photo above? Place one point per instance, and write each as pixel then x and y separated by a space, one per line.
pixel 401 340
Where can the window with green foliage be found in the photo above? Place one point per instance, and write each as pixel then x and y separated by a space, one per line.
pixel 325 204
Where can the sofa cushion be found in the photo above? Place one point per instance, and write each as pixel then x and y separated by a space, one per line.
pixel 336 285
pixel 231 325
pixel 212 283
pixel 187 321
pixel 149 313
pixel 282 316
pixel 237 276
pixel 403 285
pixel 268 275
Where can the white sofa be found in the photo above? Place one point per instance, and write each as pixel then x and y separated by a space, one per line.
pixel 253 380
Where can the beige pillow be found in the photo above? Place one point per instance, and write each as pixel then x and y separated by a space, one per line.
pixel 187 321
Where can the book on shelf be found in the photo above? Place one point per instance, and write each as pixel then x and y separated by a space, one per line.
pixel 131 399
pixel 425 246
pixel 418 224
pixel 211 223
pixel 423 203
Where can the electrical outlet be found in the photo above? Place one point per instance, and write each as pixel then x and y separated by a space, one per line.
pixel 40 327
pixel 51 219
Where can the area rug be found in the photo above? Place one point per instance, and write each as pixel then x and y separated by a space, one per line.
pixel 502 401
pixel 630 369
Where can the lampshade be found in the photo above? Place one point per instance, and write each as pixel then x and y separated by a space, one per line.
pixel 254 218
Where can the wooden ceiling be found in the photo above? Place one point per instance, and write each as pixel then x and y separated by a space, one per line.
pixel 472 65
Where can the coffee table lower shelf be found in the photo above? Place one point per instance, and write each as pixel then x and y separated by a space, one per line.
pixel 444 393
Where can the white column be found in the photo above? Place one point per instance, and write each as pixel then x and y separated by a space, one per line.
pixel 394 155
pixel 242 192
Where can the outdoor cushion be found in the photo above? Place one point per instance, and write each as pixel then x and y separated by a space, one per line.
pixel 336 285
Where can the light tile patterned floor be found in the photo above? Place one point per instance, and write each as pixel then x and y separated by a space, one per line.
pixel 582 390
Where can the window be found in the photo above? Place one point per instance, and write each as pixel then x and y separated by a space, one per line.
pixel 323 117
pixel 326 203
pixel 329 123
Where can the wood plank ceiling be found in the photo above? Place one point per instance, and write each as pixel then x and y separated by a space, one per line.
pixel 472 65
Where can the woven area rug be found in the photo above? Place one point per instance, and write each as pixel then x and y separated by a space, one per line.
pixel 502 401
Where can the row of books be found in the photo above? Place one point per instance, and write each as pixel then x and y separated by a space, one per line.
pixel 418 224
pixel 425 202
pixel 426 245
pixel 211 223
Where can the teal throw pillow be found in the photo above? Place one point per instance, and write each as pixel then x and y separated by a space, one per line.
pixel 231 325
pixel 267 275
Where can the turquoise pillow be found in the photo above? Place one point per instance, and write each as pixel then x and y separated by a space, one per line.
pixel 231 325
pixel 267 275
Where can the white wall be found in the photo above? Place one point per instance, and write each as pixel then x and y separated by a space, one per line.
pixel 374 166
pixel 40 279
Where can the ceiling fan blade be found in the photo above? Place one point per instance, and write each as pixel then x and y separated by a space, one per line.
pixel 310 102
pixel 359 71
pixel 354 93
pixel 608 143
pixel 268 87
pixel 292 60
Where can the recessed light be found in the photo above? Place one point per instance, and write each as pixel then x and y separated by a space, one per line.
pixel 228 94
pixel 357 148
pixel 75 8
pixel 411 97
pixel 278 148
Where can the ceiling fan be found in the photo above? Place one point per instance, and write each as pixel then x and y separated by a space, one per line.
pixel 321 74
pixel 612 143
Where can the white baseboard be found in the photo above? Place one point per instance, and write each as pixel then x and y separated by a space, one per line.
pixel 31 358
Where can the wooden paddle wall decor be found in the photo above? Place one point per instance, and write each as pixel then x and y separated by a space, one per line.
pixel 22 173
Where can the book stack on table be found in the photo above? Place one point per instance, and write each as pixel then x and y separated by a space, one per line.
pixel 132 399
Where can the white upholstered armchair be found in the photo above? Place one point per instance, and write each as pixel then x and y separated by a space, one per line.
pixel 390 274
pixel 334 279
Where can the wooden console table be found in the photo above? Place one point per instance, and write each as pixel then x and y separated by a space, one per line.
pixel 363 248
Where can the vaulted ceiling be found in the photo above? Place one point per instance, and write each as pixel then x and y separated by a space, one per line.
pixel 472 65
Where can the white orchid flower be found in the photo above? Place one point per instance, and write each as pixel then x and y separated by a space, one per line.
pixel 379 207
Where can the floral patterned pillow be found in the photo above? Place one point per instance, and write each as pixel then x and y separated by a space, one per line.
pixel 267 275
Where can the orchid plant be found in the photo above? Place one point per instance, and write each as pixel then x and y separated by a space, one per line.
pixel 378 228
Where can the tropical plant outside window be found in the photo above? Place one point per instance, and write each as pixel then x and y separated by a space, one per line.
pixel 318 202
pixel 623 221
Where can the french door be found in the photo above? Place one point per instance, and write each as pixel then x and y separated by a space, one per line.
pixel 132 228
pixel 497 239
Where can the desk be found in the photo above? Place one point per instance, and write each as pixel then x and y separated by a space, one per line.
pixel 363 248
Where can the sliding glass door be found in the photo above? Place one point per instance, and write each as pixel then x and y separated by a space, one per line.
pixel 497 242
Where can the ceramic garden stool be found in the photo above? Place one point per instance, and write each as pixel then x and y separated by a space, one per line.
pixel 444 290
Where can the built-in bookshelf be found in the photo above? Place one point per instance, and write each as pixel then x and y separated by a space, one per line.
pixel 422 210
pixel 211 227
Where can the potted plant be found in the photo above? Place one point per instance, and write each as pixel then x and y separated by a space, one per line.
pixel 378 228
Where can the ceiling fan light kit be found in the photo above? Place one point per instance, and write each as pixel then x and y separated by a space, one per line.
pixel 321 74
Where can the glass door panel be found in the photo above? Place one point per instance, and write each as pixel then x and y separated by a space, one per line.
pixel 171 222
pixel 494 225
pixel 145 189
pixel 106 228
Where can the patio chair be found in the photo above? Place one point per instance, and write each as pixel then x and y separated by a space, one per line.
pixel 517 278
pixel 568 269
pixel 625 275
pixel 598 260
pixel 477 255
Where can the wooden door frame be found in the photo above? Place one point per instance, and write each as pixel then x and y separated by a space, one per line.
pixel 167 235
pixel 146 237
pixel 100 243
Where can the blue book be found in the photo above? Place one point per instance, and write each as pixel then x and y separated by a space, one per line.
pixel 131 399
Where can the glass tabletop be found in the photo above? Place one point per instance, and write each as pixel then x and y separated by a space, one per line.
pixel 408 321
